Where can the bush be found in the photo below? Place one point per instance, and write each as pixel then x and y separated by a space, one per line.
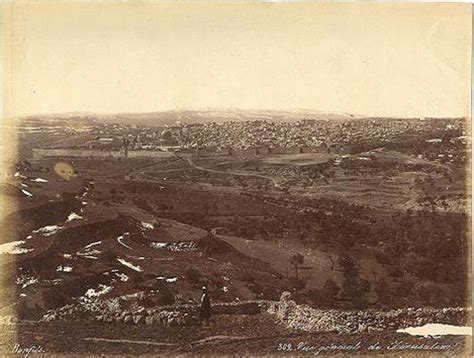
pixel 164 296
pixel 194 277
pixel 331 288
pixel 354 288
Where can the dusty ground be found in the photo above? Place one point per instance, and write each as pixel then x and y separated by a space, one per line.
pixel 255 335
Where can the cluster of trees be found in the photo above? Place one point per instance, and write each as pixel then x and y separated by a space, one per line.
pixel 413 246
pixel 424 247
pixel 428 244
pixel 354 291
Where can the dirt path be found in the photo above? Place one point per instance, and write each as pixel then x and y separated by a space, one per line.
pixel 229 335
pixel 219 338
pixel 141 174
pixel 275 183
pixel 206 340
pixel 137 173
pixel 128 341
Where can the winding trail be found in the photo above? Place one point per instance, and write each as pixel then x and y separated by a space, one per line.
pixel 153 343
pixel 138 174
pixel 275 183
pixel 119 239
pixel 127 341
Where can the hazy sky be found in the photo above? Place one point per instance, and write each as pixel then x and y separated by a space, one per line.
pixel 369 59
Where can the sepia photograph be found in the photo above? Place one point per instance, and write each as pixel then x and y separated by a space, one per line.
pixel 235 179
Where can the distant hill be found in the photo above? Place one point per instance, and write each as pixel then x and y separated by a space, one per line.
pixel 193 116
pixel 169 118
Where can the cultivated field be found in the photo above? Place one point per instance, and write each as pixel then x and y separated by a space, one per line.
pixel 376 229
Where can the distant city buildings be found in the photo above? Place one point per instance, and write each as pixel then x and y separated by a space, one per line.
pixel 262 137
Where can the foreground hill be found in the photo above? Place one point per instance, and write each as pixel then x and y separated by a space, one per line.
pixel 258 327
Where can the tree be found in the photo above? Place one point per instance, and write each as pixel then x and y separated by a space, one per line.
pixel 326 296
pixel 194 277
pixel 330 288
pixel 354 288
pixel 296 261
pixel 384 292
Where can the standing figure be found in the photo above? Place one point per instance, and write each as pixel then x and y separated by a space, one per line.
pixel 205 307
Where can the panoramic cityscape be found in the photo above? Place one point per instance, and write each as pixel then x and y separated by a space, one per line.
pixel 293 226
pixel 235 179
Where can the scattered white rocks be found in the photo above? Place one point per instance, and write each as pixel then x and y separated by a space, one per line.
pixel 89 252
pixel 26 192
pixel 122 276
pixel 120 240
pixel 85 192
pixel 48 230
pixel 25 281
pixel 167 279
pixel 18 175
pixel 147 226
pixel 93 244
pixel 64 268
pixel 159 245
pixel 39 180
pixel 54 282
pixel 73 216
pixel 129 265
pixel 139 295
pixel 182 246
pixel 434 140
pixel 101 290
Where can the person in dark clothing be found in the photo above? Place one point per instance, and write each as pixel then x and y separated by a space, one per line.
pixel 205 307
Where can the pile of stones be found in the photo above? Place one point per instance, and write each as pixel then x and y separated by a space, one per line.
pixel 176 315
pixel 306 318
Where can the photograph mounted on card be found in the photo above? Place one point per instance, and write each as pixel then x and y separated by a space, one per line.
pixel 235 179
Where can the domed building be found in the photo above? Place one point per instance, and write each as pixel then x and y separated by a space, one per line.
pixel 167 140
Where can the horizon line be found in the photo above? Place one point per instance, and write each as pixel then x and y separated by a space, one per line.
pixel 236 109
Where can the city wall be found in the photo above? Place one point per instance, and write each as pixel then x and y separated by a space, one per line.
pixel 99 154
pixel 258 151
pixel 107 154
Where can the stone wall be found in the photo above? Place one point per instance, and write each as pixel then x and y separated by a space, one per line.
pixel 177 315
pixel 306 318
pixel 99 154
pixel 285 311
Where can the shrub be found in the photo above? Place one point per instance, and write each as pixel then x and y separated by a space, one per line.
pixel 193 276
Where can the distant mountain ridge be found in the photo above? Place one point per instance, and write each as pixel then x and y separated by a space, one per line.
pixel 173 117
pixel 195 116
